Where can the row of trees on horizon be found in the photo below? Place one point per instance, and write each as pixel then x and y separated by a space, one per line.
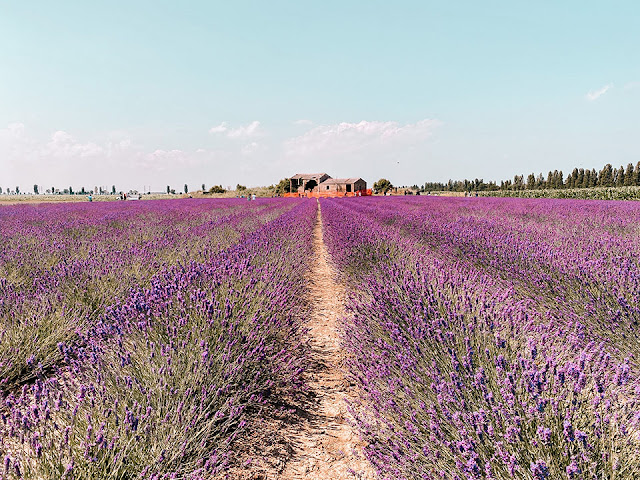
pixel 59 191
pixel 37 190
pixel 608 176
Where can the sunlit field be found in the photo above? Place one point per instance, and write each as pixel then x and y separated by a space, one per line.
pixel 137 338
pixel 485 338
pixel 493 338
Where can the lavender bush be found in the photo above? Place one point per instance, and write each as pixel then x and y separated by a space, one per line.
pixel 464 373
pixel 158 383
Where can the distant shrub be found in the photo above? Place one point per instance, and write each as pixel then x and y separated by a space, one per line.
pixel 596 193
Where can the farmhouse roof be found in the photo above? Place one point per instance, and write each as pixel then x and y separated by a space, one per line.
pixel 308 176
pixel 337 181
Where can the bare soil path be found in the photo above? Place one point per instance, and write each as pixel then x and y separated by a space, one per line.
pixel 326 445
pixel 311 438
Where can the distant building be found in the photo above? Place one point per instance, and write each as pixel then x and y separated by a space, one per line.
pixel 346 185
pixel 302 182
pixel 322 185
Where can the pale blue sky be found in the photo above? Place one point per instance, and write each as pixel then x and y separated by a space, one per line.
pixel 139 92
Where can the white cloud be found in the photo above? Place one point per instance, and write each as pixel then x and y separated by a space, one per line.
pixel 303 122
pixel 252 147
pixel 223 127
pixel 241 132
pixel 595 94
pixel 16 130
pixel 63 145
pixel 61 159
pixel 13 137
pixel 247 131
pixel 16 148
pixel 161 159
pixel 346 137
pixel 248 155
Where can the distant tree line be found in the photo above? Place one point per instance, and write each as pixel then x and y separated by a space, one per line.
pixel 37 190
pixel 608 176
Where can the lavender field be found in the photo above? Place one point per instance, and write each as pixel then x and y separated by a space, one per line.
pixel 486 338
pixel 136 341
pixel 493 339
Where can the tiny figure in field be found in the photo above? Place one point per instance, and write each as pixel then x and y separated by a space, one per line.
pixel 90 198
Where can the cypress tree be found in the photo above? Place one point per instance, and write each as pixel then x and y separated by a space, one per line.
pixel 531 181
pixel 628 175
pixel 619 177
pixel 606 176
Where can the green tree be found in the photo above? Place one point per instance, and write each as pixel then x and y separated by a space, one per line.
pixel 619 177
pixel 203 189
pixel 113 189
pixel 606 176
pixel 217 189
pixel 531 181
pixel 382 186
pixel 240 188
pixel 186 188
pixel 283 186
pixel 628 175
pixel 518 182
pixel 35 189
pixel 572 180
pixel 168 189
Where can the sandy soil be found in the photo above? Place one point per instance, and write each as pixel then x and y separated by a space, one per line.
pixel 313 438
pixel 326 445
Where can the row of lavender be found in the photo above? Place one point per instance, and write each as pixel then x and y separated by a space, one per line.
pixel 578 260
pixel 62 265
pixel 137 342
pixel 493 338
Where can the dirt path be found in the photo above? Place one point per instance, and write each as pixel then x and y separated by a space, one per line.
pixel 312 438
pixel 326 445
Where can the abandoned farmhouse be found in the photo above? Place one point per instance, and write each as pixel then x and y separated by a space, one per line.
pixel 322 185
